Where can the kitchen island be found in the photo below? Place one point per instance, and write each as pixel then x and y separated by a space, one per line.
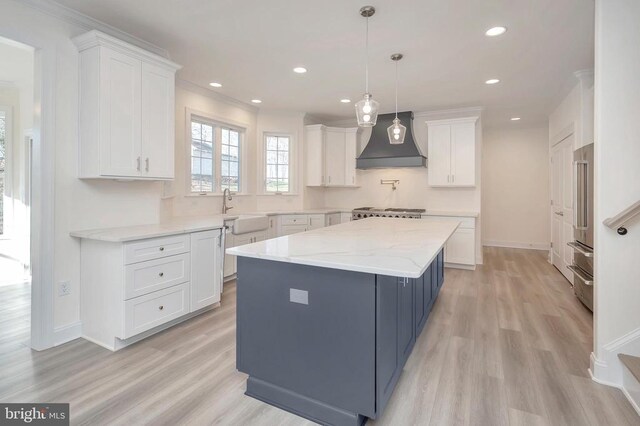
pixel 326 319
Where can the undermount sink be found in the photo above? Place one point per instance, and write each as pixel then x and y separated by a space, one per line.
pixel 249 223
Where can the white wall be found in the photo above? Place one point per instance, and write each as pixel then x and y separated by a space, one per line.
pixel 617 185
pixel 515 193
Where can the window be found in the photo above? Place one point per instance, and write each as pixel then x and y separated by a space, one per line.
pixel 215 157
pixel 277 149
pixel 202 171
pixel 230 158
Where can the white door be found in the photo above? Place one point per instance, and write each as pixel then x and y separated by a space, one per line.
pixel 334 160
pixel 439 147
pixel 158 118
pixel 205 268
pixel 463 157
pixel 562 206
pixel 120 142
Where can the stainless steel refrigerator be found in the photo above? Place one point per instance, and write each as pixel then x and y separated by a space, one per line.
pixel 582 266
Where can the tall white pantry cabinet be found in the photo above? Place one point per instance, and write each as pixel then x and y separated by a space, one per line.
pixel 127 110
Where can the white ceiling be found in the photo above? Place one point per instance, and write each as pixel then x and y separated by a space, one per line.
pixel 252 46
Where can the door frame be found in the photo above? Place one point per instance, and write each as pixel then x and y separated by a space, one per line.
pixel 568 131
pixel 42 183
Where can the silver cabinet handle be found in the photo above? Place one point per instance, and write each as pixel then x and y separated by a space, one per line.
pixel 453 178
pixel 578 247
pixel 161 307
pixel 138 166
pixel 559 213
pixel 161 274
pixel 146 167
pixel 582 276
pixel 329 179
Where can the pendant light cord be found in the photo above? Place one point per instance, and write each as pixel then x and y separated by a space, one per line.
pixel 396 89
pixel 367 58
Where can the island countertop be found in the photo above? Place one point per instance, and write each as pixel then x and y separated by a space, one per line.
pixel 386 246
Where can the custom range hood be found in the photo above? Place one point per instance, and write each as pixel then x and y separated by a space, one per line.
pixel 379 153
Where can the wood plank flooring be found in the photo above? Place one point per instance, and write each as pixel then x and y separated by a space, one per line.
pixel 507 344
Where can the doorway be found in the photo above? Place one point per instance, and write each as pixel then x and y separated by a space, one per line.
pixel 16 122
pixel 562 205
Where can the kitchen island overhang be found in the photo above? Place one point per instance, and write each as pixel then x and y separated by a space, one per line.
pixel 327 319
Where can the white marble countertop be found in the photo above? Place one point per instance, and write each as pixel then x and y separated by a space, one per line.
pixel 451 213
pixel 386 246
pixel 306 211
pixel 182 225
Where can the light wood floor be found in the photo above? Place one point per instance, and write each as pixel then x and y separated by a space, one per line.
pixel 506 344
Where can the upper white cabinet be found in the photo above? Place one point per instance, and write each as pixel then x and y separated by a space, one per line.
pixel 452 151
pixel 331 155
pixel 127 110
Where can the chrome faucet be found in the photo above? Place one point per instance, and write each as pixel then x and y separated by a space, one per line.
pixel 226 195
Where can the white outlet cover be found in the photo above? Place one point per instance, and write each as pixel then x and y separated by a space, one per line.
pixel 64 288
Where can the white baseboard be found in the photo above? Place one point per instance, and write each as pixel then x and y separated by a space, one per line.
pixel 608 369
pixel 67 333
pixel 514 244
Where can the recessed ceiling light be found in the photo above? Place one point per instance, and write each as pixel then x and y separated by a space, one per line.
pixel 300 70
pixel 345 100
pixel 495 31
pixel 515 118
pixel 215 84
pixel 256 101
pixel 492 81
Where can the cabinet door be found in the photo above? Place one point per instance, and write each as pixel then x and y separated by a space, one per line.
pixel 205 268
pixel 463 154
pixel 333 219
pixel 439 148
pixel 316 221
pixel 272 232
pixel 243 239
pixel 461 247
pixel 229 260
pixel 120 141
pixel 334 157
pixel 351 152
pixel 419 303
pixel 314 167
pixel 406 330
pixel 158 120
pixel 345 217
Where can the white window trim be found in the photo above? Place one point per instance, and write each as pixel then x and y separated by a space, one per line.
pixel 293 150
pixel 217 122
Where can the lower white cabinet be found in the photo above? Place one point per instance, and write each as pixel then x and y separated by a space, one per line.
pixel 133 289
pixel 206 252
pixel 333 219
pixel 231 262
pixel 460 250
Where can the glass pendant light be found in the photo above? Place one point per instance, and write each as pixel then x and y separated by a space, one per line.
pixel 396 131
pixel 367 108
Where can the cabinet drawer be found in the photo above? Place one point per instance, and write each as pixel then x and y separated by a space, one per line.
pixel 294 219
pixel 154 309
pixel 155 248
pixel 145 277
pixel 465 222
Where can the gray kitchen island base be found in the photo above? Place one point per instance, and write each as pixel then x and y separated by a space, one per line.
pixel 328 344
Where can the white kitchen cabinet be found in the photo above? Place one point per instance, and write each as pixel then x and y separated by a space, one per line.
pixel 136 288
pixel 460 250
pixel 333 219
pixel 272 231
pixel 229 260
pixel 292 229
pixel 314 145
pixel 316 221
pixel 335 157
pixel 127 110
pixel 331 156
pixel 206 252
pixel 345 217
pixel 452 151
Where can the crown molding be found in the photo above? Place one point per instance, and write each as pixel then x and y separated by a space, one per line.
pixel 96 38
pixel 445 114
pixel 192 87
pixel 88 23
